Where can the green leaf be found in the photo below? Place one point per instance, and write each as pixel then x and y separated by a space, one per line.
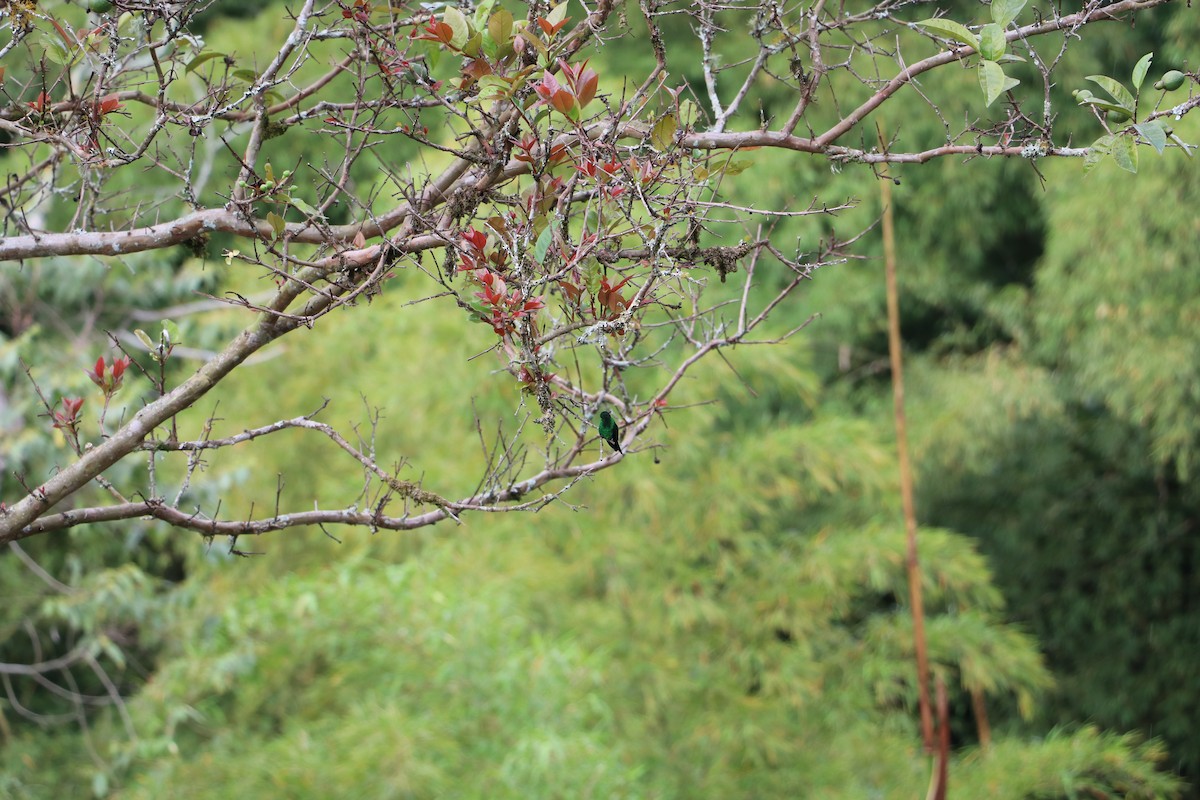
pixel 305 207
pixel 737 167
pixel 1107 106
pixel 491 50
pixel 1099 149
pixel 1005 11
pixel 144 339
pixel 482 12
pixel 543 244
pixel 532 39
pixel 473 45
pixel 1155 133
pixel 592 275
pixel 458 23
pixel 1184 146
pixel 277 223
pixel 1010 58
pixel 493 87
pixel 478 312
pixel 433 55
pixel 993 81
pixel 991 42
pixel 60 53
pixel 951 30
pixel 1124 152
pixel 690 112
pixel 200 60
pixel 1092 157
pixel 170 332
pixel 500 26
pixel 557 14
pixel 663 134
pixel 247 75
pixel 1116 90
pixel 1139 71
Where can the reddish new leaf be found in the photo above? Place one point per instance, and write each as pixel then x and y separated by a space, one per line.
pixel 109 103
pixel 551 28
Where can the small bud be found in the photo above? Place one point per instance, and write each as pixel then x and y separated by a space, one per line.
pixel 96 374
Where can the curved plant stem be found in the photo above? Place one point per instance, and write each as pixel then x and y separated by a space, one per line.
pixel 912 563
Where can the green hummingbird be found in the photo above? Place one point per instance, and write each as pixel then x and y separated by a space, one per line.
pixel 609 431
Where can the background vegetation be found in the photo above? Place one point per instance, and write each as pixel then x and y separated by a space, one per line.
pixel 725 614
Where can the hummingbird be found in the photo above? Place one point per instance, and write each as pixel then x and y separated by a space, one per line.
pixel 609 431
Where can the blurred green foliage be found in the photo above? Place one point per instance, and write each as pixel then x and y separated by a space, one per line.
pixel 725 617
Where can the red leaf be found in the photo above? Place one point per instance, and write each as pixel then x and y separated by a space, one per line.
pixel 475 239
pixel 109 103
pixel 581 79
pixel 71 43
pixel 547 87
pixel 435 31
pixel 563 102
pixel 118 369
pixel 572 291
pixel 476 68
pixel 585 90
pixel 551 29
pixel 621 284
